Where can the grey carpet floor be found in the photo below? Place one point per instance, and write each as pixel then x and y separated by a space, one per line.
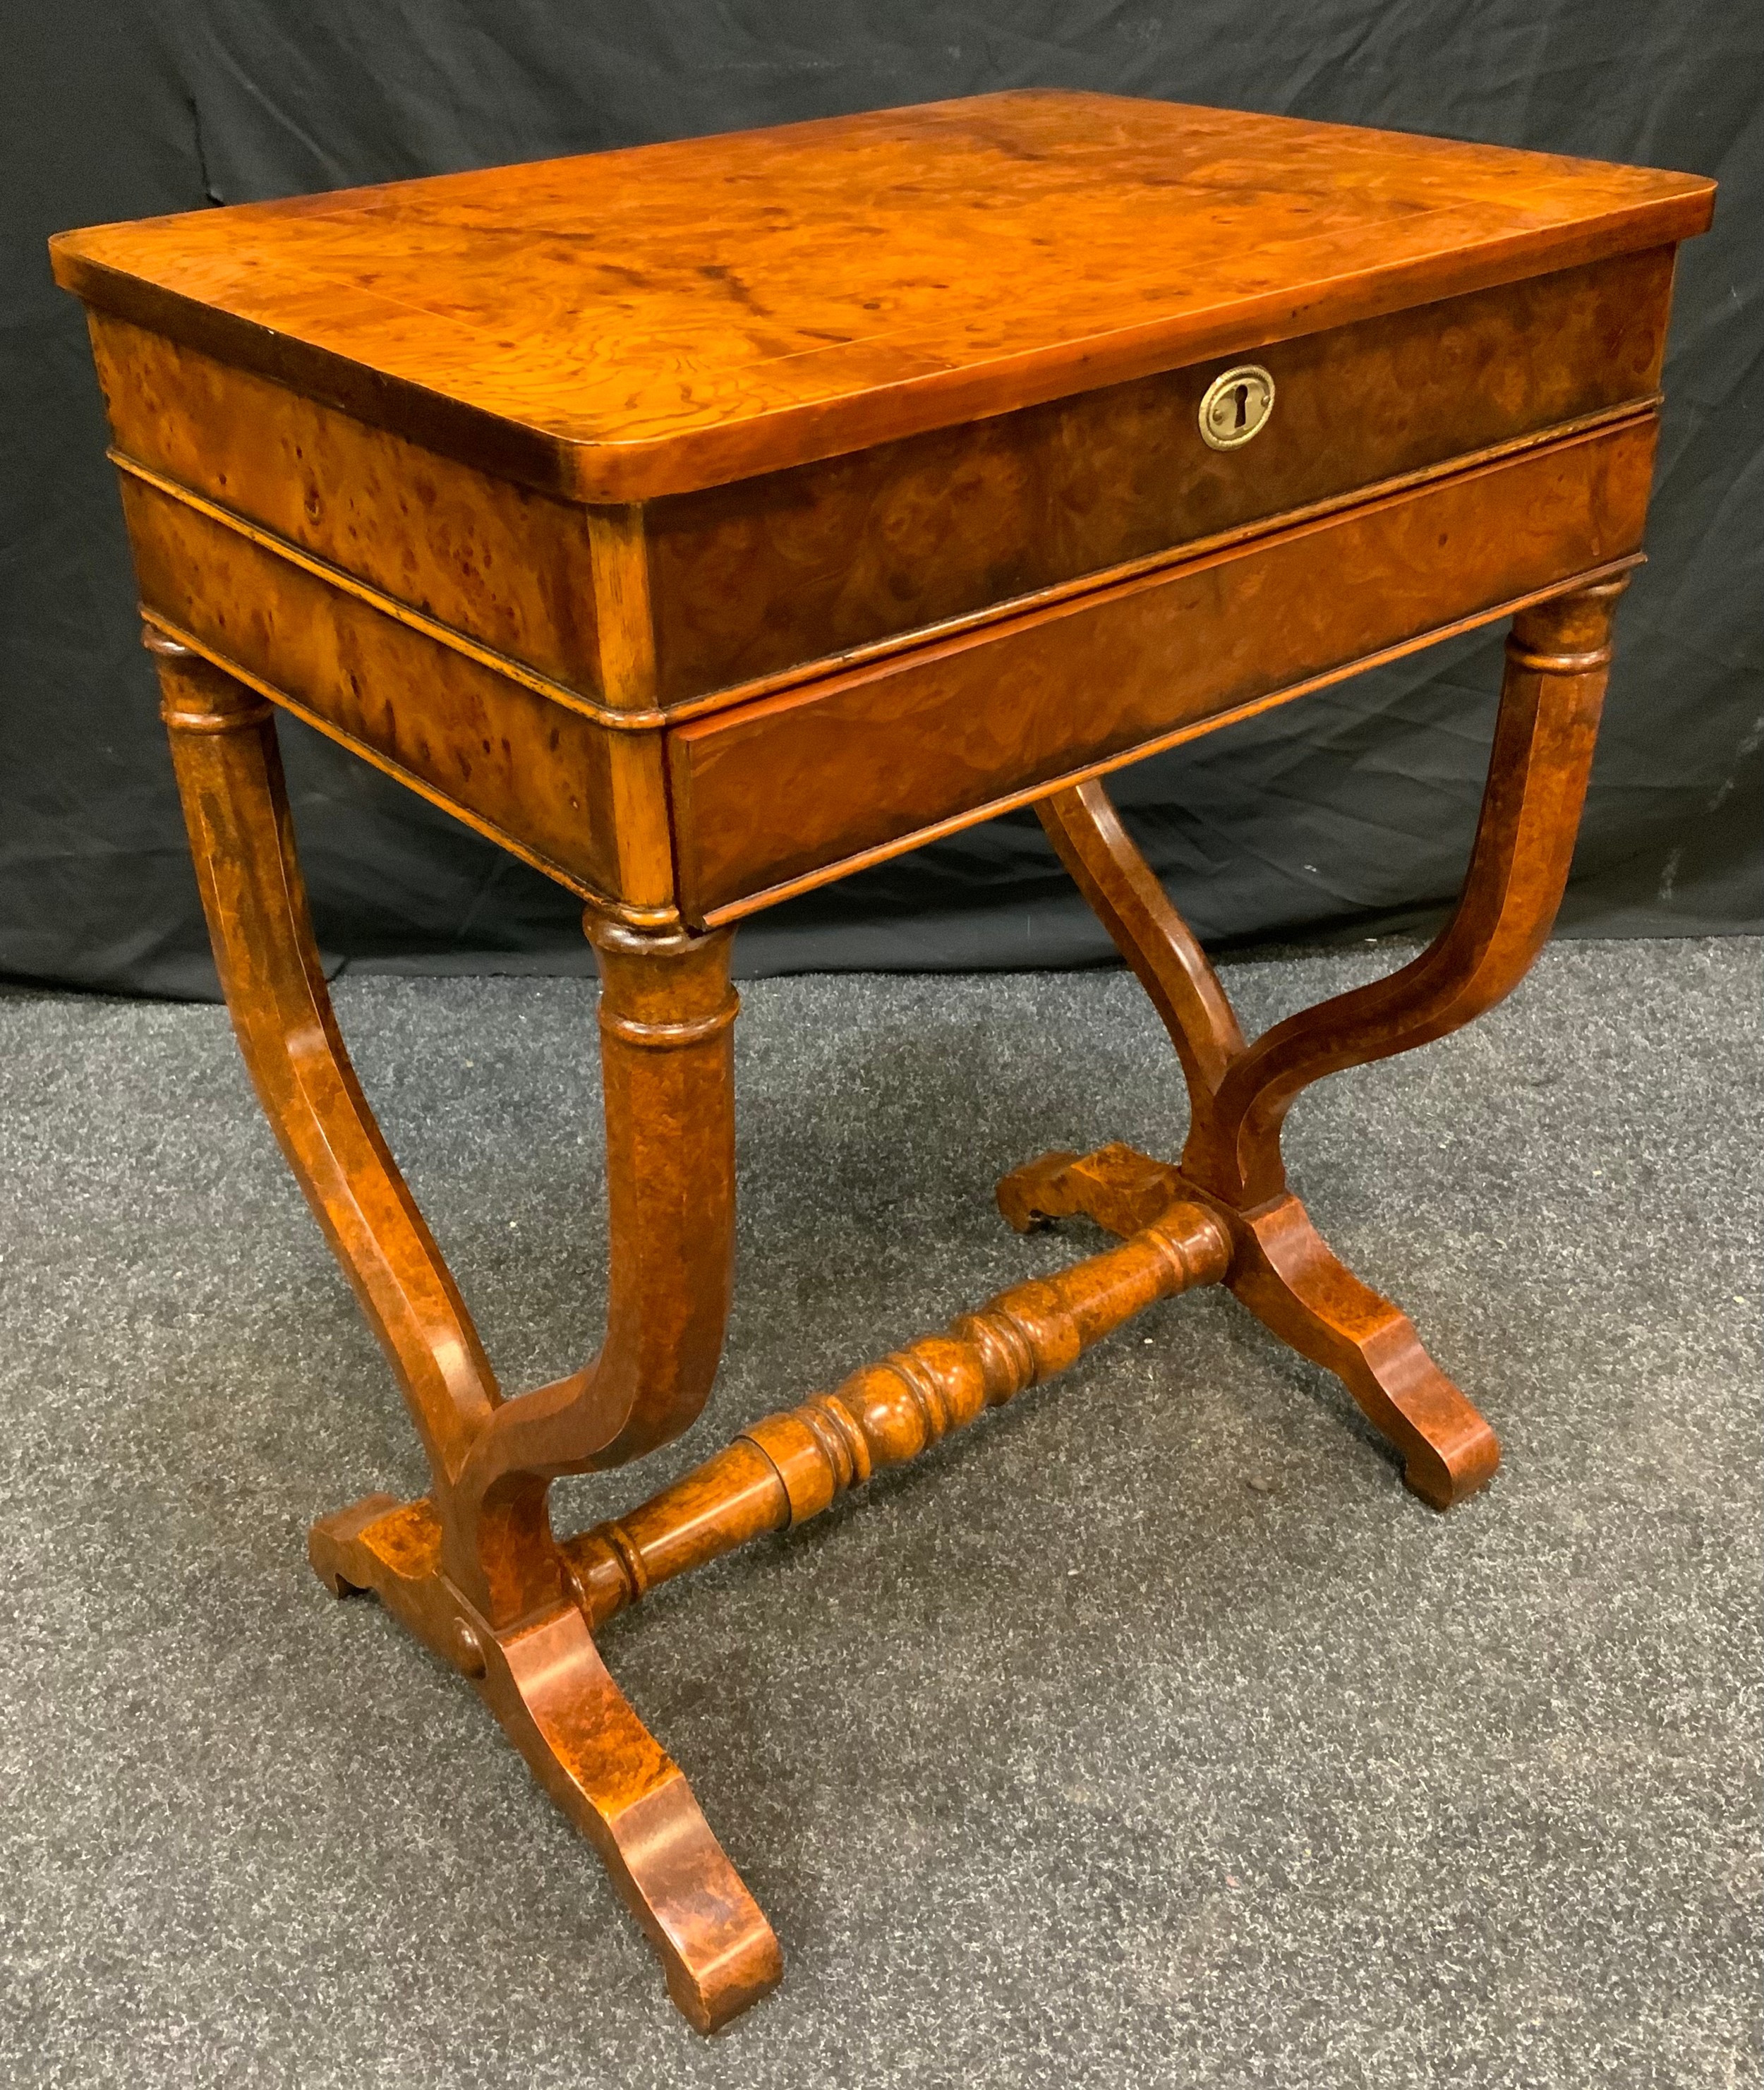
pixel 1149 1734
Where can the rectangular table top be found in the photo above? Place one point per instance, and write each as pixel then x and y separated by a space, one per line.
pixel 629 323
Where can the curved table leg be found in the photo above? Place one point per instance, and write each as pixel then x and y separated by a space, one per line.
pixel 229 769
pixel 1124 893
pixel 1558 658
pixel 473 1570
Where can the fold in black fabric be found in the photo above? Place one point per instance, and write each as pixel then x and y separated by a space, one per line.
pixel 1346 815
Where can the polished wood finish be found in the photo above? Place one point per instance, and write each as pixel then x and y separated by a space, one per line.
pixel 543 1679
pixel 230 774
pixel 536 486
pixel 759 581
pixel 668 1080
pixel 788 1468
pixel 481 556
pixel 704 521
pixel 1241 1225
pixel 489 1591
pixel 542 1675
pixel 886 756
pixel 531 773
pixel 1557 662
pixel 791 790
pixel 633 324
pixel 860 554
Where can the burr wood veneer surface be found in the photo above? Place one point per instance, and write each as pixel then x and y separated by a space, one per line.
pixel 631 323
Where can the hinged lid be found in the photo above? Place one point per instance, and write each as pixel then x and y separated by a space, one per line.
pixel 648 322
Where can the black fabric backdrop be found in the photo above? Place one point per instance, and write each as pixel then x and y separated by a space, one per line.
pixel 1348 815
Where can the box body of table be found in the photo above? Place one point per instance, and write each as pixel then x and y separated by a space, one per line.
pixel 825 631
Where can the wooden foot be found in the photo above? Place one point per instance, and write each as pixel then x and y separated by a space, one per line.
pixel 1281 1268
pixel 1558 658
pixel 1284 1273
pixel 545 1682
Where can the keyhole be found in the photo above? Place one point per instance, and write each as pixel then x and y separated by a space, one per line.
pixel 1236 406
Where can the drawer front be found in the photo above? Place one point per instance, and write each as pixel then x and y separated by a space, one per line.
pixel 524 769
pixel 751 581
pixel 791 790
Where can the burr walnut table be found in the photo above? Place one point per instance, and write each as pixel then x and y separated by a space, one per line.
pixel 704 521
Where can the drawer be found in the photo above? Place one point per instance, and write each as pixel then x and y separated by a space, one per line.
pixel 763 582
pixel 793 789
pixel 750 581
pixel 521 765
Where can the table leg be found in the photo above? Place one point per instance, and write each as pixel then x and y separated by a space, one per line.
pixel 1557 657
pixel 473 1569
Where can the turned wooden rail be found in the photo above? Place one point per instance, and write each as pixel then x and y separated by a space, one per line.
pixel 790 1466
pixel 542 1675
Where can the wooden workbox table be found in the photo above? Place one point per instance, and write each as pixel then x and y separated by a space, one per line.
pixel 704 521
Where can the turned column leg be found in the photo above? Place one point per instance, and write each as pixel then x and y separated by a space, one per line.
pixel 667 1014
pixel 473 1570
pixel 1558 659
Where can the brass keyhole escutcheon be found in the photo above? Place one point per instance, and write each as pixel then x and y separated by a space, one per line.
pixel 1235 406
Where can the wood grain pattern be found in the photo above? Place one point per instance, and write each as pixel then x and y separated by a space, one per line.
pixel 638 323
pixel 666 1014
pixel 449 468
pixel 1558 663
pixel 1557 660
pixel 477 1575
pixel 490 558
pixel 545 1683
pixel 230 776
pixel 763 579
pixel 531 772
pixel 793 787
pixel 789 1467
pixel 1227 1204
pixel 754 580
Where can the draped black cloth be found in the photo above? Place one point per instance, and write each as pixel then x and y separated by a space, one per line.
pixel 1347 814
